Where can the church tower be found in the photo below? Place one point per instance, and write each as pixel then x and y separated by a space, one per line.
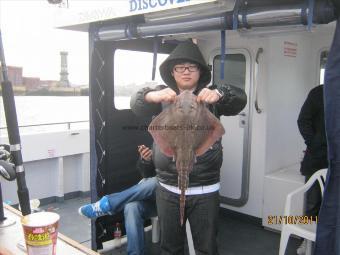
pixel 64 82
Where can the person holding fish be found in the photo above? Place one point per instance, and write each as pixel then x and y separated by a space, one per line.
pixel 138 203
pixel 187 150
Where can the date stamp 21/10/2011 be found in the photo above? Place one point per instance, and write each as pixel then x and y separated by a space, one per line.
pixel 291 219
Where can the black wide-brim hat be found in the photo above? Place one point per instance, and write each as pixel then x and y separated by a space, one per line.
pixel 185 52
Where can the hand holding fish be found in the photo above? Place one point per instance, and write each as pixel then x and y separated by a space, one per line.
pixel 208 96
pixel 164 95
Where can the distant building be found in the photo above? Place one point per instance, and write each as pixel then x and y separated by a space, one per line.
pixel 31 83
pixel 64 82
pixel 14 75
pixel 48 83
pixel 24 85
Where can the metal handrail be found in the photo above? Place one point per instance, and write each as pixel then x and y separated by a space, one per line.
pixel 256 103
pixel 50 124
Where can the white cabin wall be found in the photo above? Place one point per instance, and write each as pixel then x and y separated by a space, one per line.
pixel 76 173
pixel 56 163
pixel 283 84
pixel 258 130
pixel 85 177
pixel 72 173
pixel 40 178
pixel 289 80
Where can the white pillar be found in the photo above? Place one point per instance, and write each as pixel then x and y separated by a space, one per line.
pixel 85 172
pixel 60 179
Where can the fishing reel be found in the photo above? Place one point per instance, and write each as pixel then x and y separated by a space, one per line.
pixel 7 168
pixel 7 171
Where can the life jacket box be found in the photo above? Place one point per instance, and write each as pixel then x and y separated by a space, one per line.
pixel 277 185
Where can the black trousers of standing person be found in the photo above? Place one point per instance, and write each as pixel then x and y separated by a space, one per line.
pixel 202 213
pixel 312 199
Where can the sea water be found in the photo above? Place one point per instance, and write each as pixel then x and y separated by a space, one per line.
pixel 42 110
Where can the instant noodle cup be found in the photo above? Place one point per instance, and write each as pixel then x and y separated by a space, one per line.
pixel 41 232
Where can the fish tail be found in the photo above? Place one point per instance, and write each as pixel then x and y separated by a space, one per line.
pixel 182 206
pixel 183 177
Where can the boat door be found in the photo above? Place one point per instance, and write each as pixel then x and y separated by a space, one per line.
pixel 235 168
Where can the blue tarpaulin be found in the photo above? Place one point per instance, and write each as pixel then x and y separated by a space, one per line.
pixel 328 230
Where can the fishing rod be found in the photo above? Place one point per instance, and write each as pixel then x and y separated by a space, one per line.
pixel 13 134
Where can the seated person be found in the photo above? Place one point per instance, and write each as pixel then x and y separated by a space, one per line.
pixel 138 203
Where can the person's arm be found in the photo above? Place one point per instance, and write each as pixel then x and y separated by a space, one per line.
pixel 232 102
pixel 146 168
pixel 305 119
pixel 141 107
pixel 145 164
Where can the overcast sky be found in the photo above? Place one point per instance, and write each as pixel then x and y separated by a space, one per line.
pixel 31 41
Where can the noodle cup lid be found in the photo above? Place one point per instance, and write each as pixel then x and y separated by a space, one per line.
pixel 40 219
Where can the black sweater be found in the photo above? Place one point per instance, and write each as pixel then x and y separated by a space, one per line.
pixel 311 123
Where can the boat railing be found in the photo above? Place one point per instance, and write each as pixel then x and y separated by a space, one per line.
pixel 68 124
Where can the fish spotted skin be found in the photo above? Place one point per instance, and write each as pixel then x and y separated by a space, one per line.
pixel 189 130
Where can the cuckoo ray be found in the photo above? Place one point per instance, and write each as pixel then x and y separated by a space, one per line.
pixel 184 130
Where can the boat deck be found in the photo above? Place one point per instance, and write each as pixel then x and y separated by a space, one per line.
pixel 238 235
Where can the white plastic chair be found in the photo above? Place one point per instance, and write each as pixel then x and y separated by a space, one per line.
pixel 156 234
pixel 293 208
pixel 155 229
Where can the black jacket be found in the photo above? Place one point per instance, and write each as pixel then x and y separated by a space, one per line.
pixel 311 123
pixel 206 170
pixel 145 168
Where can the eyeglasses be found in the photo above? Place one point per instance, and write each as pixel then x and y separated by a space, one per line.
pixel 181 69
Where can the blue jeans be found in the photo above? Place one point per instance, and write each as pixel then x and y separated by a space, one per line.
pixel 139 204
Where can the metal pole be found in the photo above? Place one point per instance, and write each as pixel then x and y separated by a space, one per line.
pixel 2 215
pixel 13 134
pixel 4 221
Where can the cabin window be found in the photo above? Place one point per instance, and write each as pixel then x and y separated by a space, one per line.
pixel 323 60
pixel 133 71
pixel 234 70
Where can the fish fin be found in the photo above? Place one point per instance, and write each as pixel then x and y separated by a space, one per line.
pixel 162 136
pixel 215 132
